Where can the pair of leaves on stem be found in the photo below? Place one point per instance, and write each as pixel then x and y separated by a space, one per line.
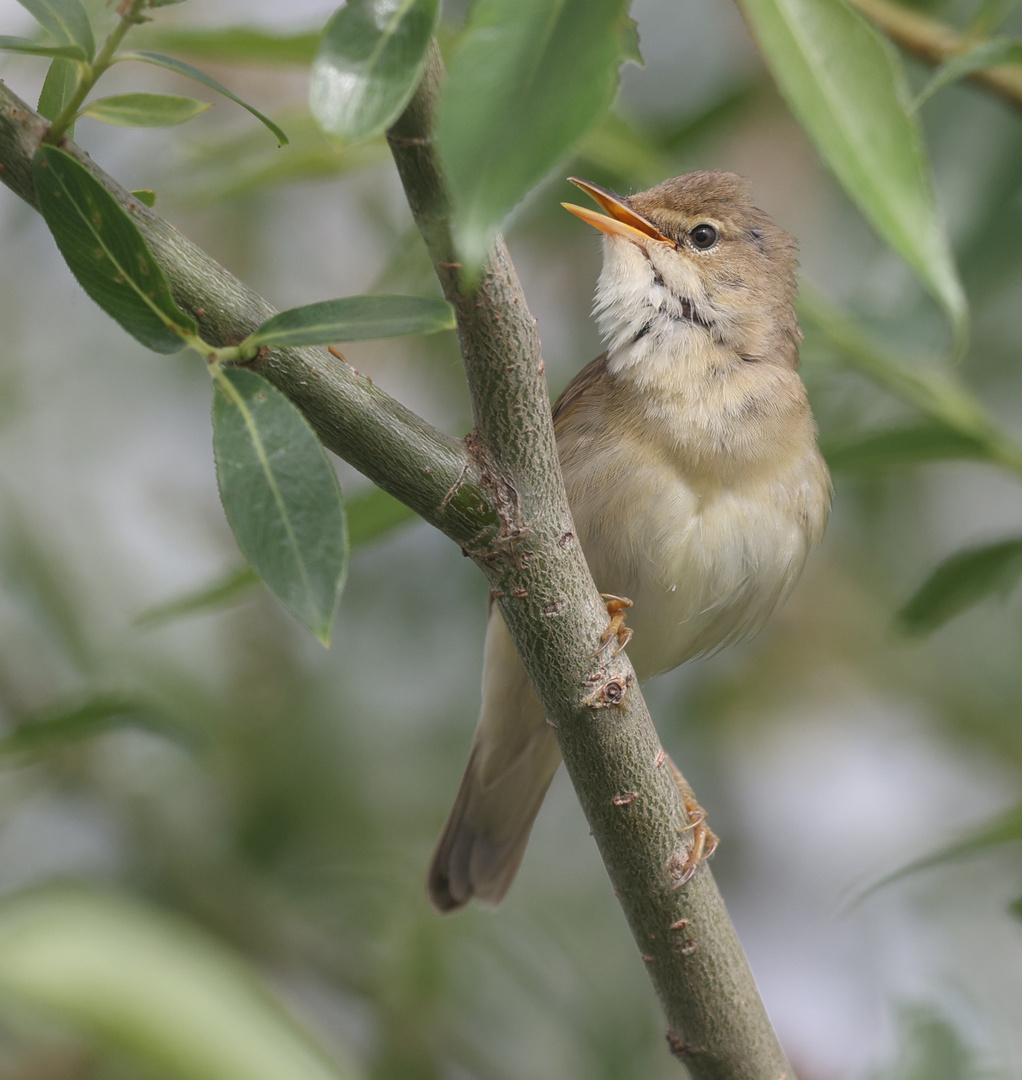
pixel 279 491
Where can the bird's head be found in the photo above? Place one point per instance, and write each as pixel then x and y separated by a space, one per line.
pixel 693 256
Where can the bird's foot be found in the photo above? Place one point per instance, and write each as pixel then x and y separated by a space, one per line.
pixel 616 630
pixel 704 840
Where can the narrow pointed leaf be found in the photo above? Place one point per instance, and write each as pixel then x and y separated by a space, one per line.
pixel 880 451
pixel 182 68
pixel 228 588
pixel 106 252
pixel 60 83
pixel 369 63
pixel 281 497
pixel 71 722
pixel 1006 828
pixel 845 85
pixel 33 48
pixel 354 318
pixel 148 985
pixel 373 514
pixel 961 581
pixel 985 55
pixel 66 21
pixel 528 79
pixel 231 44
pixel 144 110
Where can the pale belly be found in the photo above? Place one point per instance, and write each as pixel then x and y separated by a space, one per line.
pixel 702 568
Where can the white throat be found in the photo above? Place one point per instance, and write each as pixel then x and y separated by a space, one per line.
pixel 644 315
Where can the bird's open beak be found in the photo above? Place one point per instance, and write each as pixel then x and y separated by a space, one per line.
pixel 622 221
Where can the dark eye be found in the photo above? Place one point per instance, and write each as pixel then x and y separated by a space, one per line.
pixel 703 236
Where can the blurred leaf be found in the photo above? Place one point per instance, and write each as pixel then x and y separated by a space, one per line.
pixel 182 68
pixel 66 21
pixel 58 726
pixel 354 318
pixel 226 589
pixel 1006 828
pixel 961 581
pixel 33 48
pixel 369 63
pixel 986 54
pixel 146 196
pixel 281 497
pixel 846 86
pixel 880 451
pixel 60 83
pixel 931 1049
pixel 144 110
pixel 40 578
pixel 231 44
pixel 371 514
pixel 630 50
pixel 106 252
pixel 936 393
pixel 526 81
pixel 989 15
pixel 151 986
pixel 232 167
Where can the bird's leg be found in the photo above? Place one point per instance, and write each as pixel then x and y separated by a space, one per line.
pixel 616 607
pixel 704 841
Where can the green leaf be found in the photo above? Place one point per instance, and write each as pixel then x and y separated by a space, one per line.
pixel 369 63
pixel 228 588
pixel 986 54
pixel 371 514
pixel 961 581
pixel 938 394
pixel 182 68
pixel 1006 828
pixel 66 21
pixel 144 110
pixel 845 85
pixel 58 87
pixel 231 44
pixel 353 318
pixel 146 984
pixel 71 722
pixel 146 196
pixel 880 451
pixel 281 497
pixel 527 80
pixel 106 252
pixel 33 48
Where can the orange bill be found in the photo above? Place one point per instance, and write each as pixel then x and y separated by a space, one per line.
pixel 620 219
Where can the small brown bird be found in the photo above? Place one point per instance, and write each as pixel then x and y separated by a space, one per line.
pixel 694 479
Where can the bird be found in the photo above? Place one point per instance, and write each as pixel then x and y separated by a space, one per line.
pixel 692 471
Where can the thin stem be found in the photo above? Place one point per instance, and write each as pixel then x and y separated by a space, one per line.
pixel 130 15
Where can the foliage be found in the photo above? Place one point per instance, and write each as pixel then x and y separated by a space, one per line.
pixel 297 842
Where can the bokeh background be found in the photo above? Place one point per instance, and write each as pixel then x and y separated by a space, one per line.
pixel 285 799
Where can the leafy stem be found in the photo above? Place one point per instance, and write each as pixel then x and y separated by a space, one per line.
pixel 130 13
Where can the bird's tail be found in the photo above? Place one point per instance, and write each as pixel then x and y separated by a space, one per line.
pixel 513 758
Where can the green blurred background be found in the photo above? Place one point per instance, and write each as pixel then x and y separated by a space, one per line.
pixel 285 799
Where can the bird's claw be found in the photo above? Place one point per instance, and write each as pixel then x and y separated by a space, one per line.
pixel 616 607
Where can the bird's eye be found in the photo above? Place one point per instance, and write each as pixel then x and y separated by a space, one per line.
pixel 703 236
